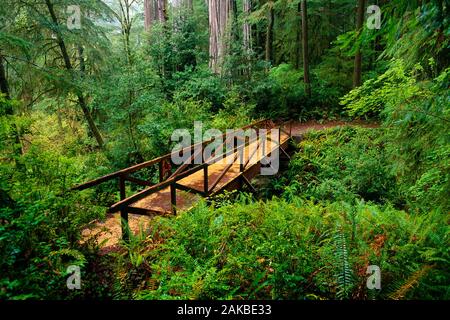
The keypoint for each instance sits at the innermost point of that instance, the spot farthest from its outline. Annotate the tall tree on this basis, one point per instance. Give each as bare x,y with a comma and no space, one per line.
220,13
162,10
155,11
269,32
56,28
305,48
4,88
149,14
357,74
247,31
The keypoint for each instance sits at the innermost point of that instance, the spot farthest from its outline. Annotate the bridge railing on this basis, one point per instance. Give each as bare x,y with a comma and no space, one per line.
184,171
164,163
171,179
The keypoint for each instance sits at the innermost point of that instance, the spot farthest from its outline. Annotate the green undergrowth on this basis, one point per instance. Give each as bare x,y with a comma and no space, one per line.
292,250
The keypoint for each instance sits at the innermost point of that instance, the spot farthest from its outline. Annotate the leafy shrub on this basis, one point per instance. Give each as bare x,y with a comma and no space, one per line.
341,164
416,117
281,250
374,95
40,226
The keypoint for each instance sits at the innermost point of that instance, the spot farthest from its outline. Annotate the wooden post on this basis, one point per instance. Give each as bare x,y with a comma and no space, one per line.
123,212
173,198
160,167
290,129
241,157
241,153
205,179
279,137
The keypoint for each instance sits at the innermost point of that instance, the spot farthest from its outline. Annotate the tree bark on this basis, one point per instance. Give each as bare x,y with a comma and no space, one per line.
298,49
220,14
162,10
305,48
3,81
81,101
269,33
357,75
247,31
148,14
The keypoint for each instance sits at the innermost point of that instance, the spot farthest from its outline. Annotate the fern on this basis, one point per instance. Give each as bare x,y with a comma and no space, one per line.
344,275
410,283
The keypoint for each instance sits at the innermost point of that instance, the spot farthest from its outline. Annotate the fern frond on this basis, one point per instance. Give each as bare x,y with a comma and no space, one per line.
410,283
344,274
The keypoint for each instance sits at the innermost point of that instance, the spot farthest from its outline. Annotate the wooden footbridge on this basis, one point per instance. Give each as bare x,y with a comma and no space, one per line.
181,185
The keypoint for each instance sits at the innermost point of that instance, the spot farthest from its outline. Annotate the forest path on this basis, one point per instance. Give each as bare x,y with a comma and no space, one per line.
108,232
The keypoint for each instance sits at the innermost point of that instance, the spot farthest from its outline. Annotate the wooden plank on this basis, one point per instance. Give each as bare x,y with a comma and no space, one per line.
146,164
95,182
222,174
188,189
142,194
253,153
143,211
140,182
152,189
187,162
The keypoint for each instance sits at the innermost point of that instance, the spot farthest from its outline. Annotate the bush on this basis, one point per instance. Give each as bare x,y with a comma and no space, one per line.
295,250
341,164
416,117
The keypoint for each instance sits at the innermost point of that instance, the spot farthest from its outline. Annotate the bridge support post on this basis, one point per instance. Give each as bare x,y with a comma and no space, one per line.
173,198
241,157
205,180
123,212
160,169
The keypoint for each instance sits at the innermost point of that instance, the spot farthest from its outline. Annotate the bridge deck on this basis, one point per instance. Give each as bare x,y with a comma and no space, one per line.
161,201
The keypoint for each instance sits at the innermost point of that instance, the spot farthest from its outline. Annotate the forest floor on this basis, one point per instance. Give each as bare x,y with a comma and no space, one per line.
108,232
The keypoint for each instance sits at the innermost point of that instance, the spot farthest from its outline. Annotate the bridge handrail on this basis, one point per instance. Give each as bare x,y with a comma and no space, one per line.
172,181
124,172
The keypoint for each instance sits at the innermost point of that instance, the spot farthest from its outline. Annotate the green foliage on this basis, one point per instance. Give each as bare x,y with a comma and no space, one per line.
281,250
341,164
344,272
352,197
419,144
416,116
201,85
388,89
409,24
41,227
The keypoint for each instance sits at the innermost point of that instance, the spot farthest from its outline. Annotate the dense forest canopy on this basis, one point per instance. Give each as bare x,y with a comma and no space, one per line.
89,87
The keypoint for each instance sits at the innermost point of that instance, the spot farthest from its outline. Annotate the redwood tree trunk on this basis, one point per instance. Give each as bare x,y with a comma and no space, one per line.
148,14
269,33
220,14
162,10
305,48
357,75
247,32
155,11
